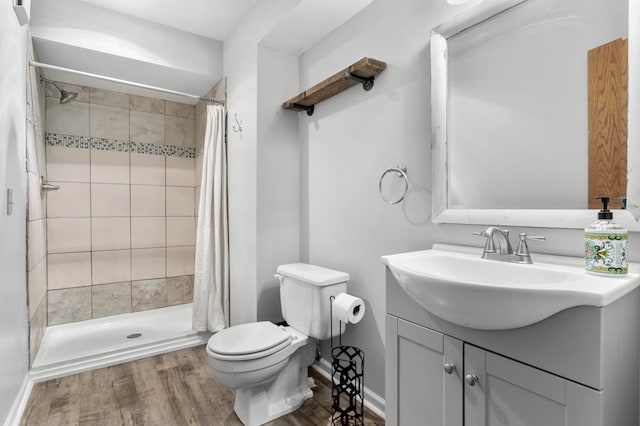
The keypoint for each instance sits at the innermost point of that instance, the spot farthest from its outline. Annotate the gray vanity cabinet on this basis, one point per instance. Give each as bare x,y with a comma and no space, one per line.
437,380
419,392
511,393
578,367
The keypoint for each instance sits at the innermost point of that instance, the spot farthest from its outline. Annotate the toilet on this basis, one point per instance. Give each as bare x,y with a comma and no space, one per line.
266,363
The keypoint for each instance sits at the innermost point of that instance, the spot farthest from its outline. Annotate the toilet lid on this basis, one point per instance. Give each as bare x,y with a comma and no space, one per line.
251,338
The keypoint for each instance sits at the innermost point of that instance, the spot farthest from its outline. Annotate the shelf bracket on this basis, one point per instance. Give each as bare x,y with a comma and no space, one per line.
308,108
367,83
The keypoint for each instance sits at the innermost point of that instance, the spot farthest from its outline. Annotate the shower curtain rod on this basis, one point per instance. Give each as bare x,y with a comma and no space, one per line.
130,83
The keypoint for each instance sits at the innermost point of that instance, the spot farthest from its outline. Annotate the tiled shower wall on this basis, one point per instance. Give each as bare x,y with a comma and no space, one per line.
121,228
36,219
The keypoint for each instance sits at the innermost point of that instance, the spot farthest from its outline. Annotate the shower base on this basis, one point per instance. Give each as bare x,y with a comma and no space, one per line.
76,347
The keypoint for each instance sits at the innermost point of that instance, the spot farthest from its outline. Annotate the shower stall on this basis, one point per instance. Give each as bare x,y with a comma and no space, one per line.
114,186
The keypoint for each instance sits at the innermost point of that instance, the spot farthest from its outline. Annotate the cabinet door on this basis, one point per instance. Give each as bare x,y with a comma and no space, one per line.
418,390
514,394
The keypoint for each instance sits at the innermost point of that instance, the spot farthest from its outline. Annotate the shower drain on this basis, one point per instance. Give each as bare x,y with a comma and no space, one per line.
134,336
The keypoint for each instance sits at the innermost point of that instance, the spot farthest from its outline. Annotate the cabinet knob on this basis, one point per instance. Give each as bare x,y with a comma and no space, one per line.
471,379
449,368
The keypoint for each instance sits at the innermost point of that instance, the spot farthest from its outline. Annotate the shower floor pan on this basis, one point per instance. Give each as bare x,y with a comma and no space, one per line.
76,347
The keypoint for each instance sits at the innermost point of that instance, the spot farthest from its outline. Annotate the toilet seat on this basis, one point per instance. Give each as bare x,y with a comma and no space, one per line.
258,360
248,341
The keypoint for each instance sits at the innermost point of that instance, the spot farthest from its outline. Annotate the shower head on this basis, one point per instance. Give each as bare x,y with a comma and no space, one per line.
65,96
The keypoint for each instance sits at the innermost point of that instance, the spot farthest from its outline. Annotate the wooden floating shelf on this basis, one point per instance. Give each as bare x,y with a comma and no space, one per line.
362,72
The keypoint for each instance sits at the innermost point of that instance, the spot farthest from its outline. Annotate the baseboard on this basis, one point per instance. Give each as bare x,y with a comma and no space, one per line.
20,403
372,400
75,366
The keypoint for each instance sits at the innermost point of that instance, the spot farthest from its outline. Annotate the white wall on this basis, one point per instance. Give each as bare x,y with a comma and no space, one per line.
278,176
240,59
13,299
353,137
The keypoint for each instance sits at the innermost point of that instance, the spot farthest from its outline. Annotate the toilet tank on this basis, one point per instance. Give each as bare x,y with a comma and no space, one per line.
305,292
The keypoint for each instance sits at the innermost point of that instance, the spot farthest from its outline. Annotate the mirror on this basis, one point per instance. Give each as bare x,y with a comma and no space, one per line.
510,107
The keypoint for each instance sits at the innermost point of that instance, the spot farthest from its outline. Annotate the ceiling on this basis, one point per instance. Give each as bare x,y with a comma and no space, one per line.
209,18
176,45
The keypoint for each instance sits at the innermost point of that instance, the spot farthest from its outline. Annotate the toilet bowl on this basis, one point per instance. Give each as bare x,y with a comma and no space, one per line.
266,365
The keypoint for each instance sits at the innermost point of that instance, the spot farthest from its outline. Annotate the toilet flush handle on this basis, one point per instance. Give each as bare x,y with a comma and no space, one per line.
279,278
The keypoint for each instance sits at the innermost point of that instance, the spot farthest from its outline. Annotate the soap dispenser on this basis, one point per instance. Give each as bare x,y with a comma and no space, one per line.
605,244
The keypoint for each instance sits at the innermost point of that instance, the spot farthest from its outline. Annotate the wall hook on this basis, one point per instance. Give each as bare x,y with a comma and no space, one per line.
238,126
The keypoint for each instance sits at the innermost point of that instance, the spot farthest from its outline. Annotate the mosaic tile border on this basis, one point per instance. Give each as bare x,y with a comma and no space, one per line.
88,142
67,141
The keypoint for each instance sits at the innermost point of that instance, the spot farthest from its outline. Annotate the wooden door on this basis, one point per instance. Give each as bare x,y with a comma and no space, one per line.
608,97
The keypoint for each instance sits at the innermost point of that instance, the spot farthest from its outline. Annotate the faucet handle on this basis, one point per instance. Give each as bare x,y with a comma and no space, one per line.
523,248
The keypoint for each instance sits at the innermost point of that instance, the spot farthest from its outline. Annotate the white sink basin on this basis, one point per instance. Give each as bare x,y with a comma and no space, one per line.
455,284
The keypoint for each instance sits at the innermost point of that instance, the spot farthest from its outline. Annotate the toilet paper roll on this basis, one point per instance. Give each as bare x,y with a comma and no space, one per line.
348,308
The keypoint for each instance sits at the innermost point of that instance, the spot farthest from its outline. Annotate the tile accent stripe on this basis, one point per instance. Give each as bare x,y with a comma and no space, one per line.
109,145
67,141
88,142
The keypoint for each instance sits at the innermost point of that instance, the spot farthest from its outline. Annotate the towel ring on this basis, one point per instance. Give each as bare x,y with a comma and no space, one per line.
400,171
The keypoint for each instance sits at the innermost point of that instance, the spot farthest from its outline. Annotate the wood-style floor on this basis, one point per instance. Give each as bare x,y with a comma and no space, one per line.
171,389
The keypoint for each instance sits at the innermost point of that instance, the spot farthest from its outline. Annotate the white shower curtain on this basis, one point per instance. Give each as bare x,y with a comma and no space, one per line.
211,282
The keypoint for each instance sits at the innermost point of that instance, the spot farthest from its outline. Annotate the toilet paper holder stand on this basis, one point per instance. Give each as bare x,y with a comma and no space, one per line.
347,380
331,299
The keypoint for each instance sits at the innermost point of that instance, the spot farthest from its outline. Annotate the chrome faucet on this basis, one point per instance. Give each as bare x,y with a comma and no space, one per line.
501,236
505,253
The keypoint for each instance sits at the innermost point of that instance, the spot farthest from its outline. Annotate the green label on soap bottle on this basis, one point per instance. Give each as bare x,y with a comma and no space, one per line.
606,253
